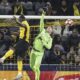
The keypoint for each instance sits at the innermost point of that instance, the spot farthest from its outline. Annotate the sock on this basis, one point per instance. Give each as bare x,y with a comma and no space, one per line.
8,54
37,73
20,66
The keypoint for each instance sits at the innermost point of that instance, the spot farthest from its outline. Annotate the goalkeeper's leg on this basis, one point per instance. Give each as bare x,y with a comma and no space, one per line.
36,67
35,62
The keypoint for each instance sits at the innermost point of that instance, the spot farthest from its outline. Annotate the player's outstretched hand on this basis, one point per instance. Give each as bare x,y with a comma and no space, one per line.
43,12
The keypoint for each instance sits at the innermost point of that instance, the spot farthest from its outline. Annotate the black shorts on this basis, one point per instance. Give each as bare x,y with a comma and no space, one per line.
21,48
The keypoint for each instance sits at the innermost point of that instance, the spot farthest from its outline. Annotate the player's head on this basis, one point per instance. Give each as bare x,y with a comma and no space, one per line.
22,18
49,29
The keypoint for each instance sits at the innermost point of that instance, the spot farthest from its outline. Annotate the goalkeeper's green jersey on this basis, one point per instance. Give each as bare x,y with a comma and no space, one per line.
43,40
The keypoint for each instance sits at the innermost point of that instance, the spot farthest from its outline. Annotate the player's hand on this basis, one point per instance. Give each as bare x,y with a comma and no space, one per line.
43,12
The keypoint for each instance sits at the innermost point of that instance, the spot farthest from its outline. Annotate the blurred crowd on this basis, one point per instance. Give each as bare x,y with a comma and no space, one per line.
65,48
8,37
66,39
29,7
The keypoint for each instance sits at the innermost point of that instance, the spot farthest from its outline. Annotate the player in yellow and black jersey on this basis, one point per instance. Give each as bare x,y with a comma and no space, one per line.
21,46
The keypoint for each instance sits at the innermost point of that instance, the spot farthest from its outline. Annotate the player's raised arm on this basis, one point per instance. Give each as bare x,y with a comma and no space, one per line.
42,21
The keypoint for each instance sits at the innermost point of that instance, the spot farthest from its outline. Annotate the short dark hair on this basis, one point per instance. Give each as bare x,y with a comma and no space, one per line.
22,17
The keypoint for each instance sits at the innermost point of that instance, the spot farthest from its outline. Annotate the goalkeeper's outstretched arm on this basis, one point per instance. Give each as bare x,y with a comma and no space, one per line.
42,21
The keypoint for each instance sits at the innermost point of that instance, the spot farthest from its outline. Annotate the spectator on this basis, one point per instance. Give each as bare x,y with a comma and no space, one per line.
37,7
4,43
57,28
57,40
6,40
59,54
5,8
76,7
54,12
66,33
55,56
77,59
1,35
29,8
17,8
43,4
74,39
71,56
1,43
48,9
66,27
77,56
64,9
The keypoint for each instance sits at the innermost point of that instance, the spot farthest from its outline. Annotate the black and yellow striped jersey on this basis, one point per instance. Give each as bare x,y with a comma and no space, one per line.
25,31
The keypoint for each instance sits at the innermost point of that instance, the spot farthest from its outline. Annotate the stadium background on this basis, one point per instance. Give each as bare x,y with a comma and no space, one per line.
49,70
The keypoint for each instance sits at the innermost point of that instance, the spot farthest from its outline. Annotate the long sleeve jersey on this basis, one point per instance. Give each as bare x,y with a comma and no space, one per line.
43,40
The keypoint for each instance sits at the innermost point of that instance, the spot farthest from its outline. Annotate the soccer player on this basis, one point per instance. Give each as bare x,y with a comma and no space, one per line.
42,41
21,46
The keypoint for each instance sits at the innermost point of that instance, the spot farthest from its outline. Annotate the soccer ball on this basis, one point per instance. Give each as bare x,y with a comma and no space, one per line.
69,22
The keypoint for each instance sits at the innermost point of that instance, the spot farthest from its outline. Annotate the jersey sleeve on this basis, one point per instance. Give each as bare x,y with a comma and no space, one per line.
47,43
46,40
27,24
42,22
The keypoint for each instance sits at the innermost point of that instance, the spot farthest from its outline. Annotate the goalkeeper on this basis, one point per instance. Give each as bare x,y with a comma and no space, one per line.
42,41
21,46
